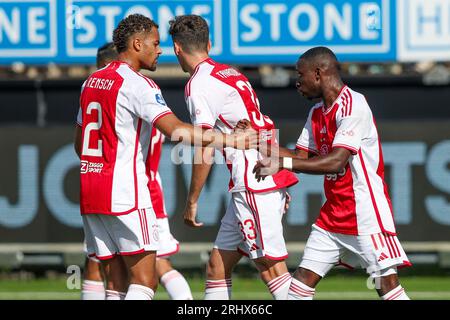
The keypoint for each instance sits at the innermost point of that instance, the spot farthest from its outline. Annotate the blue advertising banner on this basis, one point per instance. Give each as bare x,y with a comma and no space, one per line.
242,31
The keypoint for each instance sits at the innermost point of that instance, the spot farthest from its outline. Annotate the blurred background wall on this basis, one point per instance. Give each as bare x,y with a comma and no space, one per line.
396,53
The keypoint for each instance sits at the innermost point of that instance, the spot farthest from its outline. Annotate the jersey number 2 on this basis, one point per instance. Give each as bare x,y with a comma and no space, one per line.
95,152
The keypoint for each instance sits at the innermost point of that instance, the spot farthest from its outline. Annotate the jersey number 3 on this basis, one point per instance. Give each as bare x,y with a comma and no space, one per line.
95,152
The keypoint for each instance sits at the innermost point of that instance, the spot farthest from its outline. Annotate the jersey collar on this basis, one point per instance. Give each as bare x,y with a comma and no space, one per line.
335,102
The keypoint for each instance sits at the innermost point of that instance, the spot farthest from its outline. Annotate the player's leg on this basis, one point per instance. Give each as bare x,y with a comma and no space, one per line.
320,255
116,278
93,287
275,275
381,254
142,274
261,217
218,273
137,239
102,246
173,281
223,257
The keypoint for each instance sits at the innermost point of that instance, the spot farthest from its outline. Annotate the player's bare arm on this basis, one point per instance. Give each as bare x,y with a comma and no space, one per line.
333,162
245,124
200,170
180,131
77,141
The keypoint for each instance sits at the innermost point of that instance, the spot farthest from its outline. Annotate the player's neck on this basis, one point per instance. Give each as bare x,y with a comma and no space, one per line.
194,60
135,65
332,93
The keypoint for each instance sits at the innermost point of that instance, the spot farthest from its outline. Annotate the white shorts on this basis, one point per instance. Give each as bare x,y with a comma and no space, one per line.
375,253
168,245
252,225
85,250
133,233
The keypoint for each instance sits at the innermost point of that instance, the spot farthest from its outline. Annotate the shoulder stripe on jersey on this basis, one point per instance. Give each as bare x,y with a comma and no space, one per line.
150,82
347,103
351,102
343,105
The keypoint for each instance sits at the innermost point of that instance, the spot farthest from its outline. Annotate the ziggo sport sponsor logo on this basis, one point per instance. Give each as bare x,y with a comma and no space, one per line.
94,167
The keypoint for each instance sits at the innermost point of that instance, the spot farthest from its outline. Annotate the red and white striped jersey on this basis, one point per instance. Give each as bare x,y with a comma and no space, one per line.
154,183
118,108
219,96
357,200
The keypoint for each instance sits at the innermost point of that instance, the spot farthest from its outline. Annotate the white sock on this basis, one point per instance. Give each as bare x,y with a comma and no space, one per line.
300,291
115,295
176,286
396,294
92,290
218,289
279,287
138,292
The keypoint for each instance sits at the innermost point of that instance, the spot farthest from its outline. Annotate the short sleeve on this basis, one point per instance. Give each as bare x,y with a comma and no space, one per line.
350,129
152,106
80,111
80,117
306,140
201,110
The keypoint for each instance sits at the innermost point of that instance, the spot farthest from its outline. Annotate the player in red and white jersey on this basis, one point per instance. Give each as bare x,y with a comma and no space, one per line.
341,140
218,96
118,108
174,282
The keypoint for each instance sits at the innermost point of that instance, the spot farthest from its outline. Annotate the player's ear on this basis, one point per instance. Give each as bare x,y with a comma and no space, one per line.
208,47
317,74
137,43
176,48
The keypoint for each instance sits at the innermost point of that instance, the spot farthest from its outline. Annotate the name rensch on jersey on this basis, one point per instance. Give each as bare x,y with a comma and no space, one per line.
99,83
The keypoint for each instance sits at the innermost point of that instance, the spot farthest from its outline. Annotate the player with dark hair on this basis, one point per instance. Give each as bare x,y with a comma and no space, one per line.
106,54
218,96
340,140
173,281
93,287
118,109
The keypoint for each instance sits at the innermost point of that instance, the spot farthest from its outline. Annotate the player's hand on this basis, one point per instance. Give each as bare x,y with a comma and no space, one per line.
266,167
286,203
190,213
242,124
246,139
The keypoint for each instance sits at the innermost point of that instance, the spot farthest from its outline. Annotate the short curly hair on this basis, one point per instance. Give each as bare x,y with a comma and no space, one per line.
134,23
191,32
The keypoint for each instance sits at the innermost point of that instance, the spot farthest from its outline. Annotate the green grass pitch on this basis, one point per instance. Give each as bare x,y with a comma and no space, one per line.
340,287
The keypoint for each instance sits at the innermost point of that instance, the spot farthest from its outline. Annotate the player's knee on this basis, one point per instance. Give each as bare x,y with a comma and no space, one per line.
307,277
163,266
275,268
388,282
145,280
215,270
